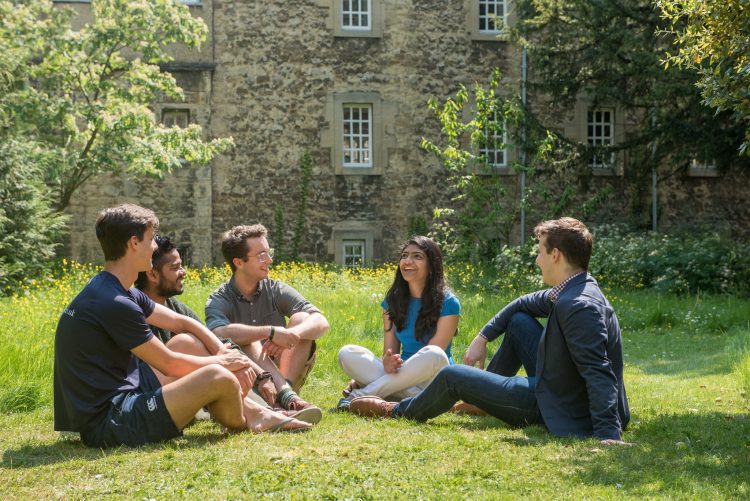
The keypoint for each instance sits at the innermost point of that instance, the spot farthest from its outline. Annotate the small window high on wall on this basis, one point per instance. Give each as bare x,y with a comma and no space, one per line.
356,15
357,18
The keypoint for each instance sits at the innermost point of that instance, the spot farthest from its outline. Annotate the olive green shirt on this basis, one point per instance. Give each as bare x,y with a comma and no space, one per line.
271,304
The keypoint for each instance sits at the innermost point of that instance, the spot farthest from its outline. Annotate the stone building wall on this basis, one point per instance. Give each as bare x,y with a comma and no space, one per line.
274,76
279,68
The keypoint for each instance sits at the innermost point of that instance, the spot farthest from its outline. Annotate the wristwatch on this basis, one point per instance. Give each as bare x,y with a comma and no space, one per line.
262,377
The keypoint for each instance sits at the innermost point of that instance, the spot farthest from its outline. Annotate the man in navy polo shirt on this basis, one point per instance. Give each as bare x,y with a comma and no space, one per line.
101,390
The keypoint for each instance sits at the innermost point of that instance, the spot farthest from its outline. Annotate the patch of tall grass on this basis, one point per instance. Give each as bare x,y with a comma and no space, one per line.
351,302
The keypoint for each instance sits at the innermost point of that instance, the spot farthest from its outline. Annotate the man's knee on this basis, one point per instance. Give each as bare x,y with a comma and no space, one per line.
187,343
456,373
521,323
220,378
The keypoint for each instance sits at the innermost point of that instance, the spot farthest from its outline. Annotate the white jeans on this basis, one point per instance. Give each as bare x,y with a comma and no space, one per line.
366,369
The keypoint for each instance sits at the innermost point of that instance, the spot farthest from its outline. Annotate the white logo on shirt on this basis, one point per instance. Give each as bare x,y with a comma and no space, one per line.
151,404
69,312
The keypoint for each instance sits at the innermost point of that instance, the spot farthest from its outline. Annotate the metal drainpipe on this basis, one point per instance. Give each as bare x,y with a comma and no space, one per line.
523,149
653,175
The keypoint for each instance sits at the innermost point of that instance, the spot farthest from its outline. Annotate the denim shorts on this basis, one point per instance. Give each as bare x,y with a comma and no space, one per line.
135,417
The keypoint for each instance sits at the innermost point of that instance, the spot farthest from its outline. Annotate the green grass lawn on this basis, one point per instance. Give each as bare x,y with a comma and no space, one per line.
684,378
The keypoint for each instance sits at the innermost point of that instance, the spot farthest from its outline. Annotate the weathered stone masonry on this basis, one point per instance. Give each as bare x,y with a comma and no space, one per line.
274,74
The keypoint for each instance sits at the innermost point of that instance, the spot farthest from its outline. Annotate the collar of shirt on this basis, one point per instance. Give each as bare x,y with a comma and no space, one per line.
237,292
555,293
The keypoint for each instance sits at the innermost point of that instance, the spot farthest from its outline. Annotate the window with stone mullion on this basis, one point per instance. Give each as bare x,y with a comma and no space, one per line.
489,12
601,133
355,14
357,135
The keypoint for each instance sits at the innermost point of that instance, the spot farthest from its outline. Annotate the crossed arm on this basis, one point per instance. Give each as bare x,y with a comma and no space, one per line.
176,364
302,326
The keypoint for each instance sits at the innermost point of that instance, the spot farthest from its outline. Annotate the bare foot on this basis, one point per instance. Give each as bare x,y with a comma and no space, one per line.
261,420
464,408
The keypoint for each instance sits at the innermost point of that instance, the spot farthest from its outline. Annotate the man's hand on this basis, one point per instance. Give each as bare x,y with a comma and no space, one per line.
267,390
611,441
283,339
476,352
233,360
392,362
246,378
271,349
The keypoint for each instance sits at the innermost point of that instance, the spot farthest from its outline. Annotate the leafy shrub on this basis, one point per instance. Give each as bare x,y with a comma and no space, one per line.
677,263
516,268
29,228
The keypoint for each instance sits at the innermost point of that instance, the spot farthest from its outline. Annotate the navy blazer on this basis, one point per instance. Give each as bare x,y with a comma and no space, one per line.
579,386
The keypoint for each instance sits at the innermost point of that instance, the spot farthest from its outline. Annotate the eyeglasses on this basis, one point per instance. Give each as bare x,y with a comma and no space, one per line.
264,256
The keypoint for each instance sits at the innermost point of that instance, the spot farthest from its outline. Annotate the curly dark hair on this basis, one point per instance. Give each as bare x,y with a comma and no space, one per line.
164,247
432,297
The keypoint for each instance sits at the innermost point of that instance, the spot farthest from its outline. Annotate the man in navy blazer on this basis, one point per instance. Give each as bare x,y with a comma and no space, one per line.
574,365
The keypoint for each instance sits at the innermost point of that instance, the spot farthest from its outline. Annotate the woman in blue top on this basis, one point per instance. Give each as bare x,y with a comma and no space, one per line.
420,318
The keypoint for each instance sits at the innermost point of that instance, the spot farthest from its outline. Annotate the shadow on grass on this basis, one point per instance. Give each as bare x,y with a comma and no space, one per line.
62,450
684,454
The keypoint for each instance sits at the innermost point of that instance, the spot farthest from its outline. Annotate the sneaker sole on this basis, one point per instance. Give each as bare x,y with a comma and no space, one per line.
311,415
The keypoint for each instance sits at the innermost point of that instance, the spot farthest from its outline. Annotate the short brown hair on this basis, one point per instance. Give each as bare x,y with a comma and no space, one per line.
234,242
569,236
115,226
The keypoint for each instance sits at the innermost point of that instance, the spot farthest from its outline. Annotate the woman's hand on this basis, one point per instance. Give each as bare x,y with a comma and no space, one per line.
392,362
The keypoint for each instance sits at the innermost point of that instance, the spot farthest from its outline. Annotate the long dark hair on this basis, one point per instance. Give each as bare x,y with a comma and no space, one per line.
432,297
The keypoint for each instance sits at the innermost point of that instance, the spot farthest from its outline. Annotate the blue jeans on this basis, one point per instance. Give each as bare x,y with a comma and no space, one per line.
498,392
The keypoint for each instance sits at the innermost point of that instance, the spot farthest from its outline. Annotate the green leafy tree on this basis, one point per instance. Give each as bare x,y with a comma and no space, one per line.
610,52
83,96
712,38
485,204
29,227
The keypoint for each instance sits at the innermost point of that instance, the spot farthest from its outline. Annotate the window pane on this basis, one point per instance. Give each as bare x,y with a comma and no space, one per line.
356,131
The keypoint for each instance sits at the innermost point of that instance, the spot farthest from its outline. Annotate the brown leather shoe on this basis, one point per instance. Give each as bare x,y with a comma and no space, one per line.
369,406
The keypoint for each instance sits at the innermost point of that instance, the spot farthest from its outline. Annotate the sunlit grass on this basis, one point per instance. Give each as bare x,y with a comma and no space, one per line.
686,375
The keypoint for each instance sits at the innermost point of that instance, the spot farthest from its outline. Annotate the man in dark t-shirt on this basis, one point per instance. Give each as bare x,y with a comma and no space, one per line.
102,392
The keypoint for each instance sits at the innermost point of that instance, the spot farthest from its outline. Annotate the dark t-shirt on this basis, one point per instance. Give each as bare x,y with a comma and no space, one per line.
93,362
